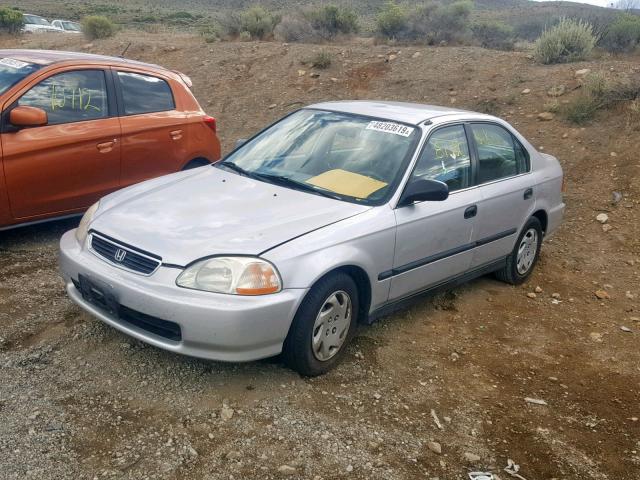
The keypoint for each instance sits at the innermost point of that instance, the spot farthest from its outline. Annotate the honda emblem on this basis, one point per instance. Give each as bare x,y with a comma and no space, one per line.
120,255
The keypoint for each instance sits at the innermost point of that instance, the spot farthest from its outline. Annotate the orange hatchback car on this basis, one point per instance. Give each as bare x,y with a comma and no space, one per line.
76,126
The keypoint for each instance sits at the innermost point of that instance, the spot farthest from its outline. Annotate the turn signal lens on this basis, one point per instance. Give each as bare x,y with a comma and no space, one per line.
232,275
83,228
211,122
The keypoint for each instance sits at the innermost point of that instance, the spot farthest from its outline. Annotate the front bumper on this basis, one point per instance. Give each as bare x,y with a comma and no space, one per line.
213,326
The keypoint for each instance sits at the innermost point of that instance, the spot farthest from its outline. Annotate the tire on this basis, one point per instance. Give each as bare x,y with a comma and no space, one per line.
313,355
198,162
513,272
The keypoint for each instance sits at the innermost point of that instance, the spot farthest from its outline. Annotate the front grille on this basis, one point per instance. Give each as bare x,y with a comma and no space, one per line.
124,256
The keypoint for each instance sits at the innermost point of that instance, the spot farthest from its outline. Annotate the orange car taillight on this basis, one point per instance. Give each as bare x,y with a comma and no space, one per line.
211,123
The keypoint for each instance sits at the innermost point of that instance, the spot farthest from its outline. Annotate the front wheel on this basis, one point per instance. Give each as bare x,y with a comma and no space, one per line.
523,258
323,326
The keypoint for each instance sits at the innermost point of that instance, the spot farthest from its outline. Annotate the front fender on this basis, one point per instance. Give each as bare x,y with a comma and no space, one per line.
366,241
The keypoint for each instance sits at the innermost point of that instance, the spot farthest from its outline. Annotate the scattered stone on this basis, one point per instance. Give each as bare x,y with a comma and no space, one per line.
435,447
334,79
602,218
287,470
606,228
532,295
613,154
392,57
616,197
625,329
416,55
555,295
314,75
538,289
302,73
226,413
545,116
272,106
565,135
602,294
526,91
582,72
377,396
596,337
471,457
349,468
535,401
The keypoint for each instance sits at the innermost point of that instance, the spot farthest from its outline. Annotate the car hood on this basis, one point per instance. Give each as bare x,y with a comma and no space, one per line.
209,211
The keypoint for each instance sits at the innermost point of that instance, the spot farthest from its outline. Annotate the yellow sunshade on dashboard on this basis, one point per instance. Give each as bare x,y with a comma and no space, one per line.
347,183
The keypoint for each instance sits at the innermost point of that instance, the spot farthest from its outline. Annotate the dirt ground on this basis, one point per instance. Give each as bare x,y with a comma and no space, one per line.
78,400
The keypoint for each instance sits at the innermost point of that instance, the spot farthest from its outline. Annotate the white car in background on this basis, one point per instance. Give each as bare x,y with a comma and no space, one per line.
38,24
67,26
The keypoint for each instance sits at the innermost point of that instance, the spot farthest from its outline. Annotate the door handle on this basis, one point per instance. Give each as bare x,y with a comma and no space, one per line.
176,134
528,193
471,212
106,146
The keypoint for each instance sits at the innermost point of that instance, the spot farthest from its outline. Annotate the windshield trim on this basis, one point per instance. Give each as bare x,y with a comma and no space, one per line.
393,187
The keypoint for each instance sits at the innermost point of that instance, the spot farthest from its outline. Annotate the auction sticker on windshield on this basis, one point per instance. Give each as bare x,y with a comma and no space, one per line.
390,127
12,62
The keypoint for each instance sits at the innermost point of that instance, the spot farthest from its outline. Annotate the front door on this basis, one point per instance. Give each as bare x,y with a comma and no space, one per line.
434,239
72,161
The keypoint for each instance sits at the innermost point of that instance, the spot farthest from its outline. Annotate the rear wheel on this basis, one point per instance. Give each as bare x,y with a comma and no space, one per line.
323,326
525,254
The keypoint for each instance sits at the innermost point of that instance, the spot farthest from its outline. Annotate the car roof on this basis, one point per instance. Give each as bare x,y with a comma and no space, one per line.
49,57
413,113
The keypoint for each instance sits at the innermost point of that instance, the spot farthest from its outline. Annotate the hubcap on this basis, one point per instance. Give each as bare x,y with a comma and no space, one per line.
527,251
331,326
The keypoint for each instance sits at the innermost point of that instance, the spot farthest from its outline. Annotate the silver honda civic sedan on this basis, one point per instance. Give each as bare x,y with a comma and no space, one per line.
333,216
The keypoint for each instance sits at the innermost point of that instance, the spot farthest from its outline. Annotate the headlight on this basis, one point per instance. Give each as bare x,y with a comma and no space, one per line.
232,275
83,228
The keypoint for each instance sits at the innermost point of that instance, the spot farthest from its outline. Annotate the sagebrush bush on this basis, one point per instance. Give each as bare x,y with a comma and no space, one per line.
568,41
494,34
210,33
332,20
392,21
600,92
623,35
96,27
436,22
320,60
11,20
258,22
431,23
295,28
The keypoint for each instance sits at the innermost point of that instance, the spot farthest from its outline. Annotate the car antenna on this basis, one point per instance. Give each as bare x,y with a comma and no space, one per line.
125,50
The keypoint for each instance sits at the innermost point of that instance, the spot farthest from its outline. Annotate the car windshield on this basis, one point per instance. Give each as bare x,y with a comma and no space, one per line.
35,20
71,26
345,156
12,71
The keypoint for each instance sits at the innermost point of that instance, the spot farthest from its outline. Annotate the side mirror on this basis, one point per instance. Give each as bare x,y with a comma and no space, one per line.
423,190
240,142
28,117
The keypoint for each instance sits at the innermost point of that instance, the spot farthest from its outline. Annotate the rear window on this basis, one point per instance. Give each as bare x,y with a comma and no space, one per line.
12,71
145,94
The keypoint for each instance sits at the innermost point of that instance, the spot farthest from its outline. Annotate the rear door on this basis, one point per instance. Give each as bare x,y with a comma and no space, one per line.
434,240
72,161
154,131
506,187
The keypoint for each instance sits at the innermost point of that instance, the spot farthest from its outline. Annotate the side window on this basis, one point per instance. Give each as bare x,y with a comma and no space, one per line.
499,154
445,157
70,97
145,94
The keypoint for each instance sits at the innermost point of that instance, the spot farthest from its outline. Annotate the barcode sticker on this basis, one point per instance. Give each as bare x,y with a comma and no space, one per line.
390,127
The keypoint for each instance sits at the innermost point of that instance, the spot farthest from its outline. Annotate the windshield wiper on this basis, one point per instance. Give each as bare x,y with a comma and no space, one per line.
288,182
236,168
